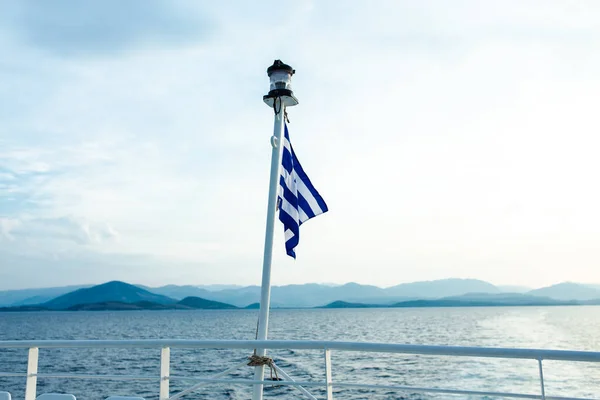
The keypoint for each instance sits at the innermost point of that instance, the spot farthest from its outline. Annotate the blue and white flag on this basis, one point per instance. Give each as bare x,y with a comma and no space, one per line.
298,200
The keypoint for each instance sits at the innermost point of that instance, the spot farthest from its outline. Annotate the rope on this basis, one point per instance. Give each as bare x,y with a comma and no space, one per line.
257,361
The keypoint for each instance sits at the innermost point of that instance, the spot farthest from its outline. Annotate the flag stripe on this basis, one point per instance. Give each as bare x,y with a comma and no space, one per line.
304,206
309,197
286,159
292,240
287,193
289,208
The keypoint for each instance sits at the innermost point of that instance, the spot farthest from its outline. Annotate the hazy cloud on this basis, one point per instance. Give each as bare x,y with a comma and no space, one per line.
71,229
71,27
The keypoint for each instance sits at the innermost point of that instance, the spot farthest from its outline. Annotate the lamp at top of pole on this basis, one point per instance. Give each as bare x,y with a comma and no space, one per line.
280,75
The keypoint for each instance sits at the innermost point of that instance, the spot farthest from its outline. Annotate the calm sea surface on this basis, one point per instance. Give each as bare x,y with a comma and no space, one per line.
574,328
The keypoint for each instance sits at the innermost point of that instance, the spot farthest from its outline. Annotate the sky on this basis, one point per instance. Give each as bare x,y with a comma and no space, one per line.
449,139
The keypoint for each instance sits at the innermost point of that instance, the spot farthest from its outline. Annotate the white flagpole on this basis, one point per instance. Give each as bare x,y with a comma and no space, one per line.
265,295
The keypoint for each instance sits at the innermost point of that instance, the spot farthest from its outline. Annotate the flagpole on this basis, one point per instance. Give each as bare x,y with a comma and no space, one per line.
279,97
265,295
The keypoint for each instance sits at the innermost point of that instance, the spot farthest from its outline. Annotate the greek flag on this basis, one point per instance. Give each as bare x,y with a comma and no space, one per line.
298,200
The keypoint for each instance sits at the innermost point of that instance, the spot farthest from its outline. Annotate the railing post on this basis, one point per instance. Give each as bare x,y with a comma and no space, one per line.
328,374
165,365
32,370
542,379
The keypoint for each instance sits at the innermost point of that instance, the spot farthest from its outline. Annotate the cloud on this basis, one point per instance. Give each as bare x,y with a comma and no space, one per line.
70,229
7,225
74,28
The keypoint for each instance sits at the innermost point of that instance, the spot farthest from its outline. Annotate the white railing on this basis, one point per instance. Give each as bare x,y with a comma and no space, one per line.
326,346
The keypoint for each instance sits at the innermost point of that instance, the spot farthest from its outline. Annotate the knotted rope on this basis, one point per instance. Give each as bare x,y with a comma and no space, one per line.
257,361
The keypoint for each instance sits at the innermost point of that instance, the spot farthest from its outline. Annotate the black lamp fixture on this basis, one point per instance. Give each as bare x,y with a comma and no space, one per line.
280,75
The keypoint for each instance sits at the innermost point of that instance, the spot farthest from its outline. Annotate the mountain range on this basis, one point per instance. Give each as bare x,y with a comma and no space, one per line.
114,291
117,295
312,294
315,295
306,295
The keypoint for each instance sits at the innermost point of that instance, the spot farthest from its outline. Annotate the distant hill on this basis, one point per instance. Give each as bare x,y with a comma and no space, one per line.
22,297
468,300
218,287
344,304
446,303
567,291
507,299
120,306
180,292
23,308
239,297
104,306
355,291
200,303
482,302
514,289
312,294
114,291
441,288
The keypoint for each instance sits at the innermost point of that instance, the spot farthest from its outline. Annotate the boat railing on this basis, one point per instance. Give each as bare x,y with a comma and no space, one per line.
327,347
